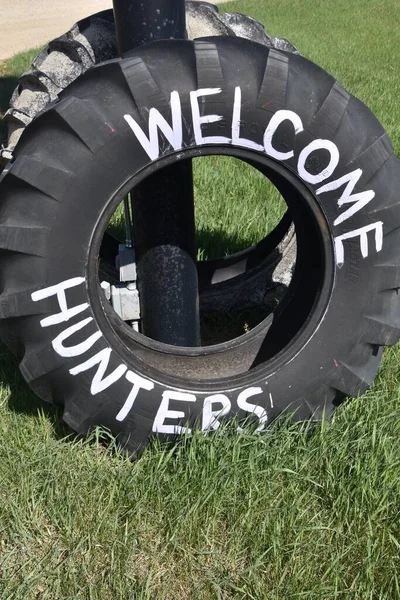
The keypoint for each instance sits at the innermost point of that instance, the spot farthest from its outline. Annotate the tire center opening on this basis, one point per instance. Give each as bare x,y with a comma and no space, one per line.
236,208
261,262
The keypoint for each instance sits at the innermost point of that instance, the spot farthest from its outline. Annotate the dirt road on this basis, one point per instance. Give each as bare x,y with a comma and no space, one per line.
28,23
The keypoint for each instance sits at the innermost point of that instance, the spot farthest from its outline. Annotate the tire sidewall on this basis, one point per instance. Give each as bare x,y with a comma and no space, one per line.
284,387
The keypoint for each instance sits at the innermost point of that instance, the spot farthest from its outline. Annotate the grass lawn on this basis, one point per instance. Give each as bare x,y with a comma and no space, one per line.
290,514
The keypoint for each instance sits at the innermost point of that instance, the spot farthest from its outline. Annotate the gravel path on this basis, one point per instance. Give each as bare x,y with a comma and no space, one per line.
29,23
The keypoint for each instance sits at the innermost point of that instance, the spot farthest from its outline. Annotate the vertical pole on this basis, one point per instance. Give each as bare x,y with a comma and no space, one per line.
141,21
163,205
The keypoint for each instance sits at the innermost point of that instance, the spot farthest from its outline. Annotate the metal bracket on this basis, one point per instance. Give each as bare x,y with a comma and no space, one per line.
125,262
124,296
125,301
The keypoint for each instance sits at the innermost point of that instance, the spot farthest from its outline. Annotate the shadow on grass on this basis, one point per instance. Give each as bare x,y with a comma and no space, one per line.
7,87
216,244
8,84
22,399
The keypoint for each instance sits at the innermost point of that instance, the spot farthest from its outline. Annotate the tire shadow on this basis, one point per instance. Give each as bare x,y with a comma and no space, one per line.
217,244
8,83
22,400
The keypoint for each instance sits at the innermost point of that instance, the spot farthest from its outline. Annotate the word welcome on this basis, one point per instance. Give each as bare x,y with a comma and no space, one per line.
214,406
173,132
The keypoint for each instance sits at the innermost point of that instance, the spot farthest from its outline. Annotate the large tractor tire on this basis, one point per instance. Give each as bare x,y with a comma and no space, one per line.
332,162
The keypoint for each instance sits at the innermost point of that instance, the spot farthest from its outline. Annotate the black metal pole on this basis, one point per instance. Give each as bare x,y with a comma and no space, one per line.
141,21
163,206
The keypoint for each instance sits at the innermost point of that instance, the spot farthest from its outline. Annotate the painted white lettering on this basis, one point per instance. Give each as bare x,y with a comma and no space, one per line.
279,117
362,234
325,173
271,400
236,139
198,121
174,135
164,413
259,411
358,200
79,349
59,291
211,415
99,382
138,383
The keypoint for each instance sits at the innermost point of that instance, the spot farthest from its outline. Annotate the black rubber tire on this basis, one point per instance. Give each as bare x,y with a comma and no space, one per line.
324,341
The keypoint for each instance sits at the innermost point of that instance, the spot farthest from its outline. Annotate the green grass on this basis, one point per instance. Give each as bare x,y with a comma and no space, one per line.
290,514
294,513
236,206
